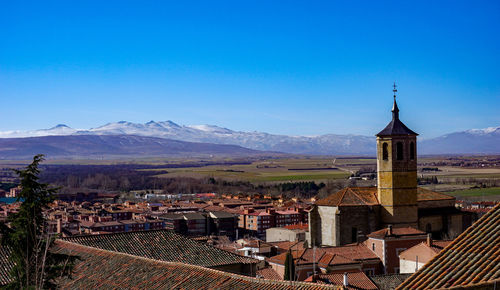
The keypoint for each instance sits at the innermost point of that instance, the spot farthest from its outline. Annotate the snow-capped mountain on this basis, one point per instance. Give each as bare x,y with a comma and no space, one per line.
58,130
114,146
475,141
324,144
471,141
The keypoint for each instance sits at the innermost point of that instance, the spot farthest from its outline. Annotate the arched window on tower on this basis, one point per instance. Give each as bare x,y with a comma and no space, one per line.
412,151
385,151
399,151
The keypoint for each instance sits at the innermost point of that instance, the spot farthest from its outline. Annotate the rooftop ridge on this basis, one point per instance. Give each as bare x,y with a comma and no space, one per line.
213,254
189,266
368,196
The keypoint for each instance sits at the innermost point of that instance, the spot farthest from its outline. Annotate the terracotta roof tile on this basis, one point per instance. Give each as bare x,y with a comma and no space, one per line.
390,281
329,256
268,273
396,232
471,259
426,194
163,245
102,269
353,196
356,280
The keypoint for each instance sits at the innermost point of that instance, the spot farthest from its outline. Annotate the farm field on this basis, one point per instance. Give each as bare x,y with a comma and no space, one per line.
454,179
477,192
273,170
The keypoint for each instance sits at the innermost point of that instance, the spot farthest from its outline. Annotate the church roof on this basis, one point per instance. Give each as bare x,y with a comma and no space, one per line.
396,127
351,196
354,196
471,260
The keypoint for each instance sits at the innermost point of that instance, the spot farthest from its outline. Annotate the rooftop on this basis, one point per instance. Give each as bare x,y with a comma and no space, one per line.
396,127
163,245
355,196
396,232
102,269
348,254
356,280
472,259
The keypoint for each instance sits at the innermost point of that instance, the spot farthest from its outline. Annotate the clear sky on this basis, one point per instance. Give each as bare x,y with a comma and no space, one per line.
287,67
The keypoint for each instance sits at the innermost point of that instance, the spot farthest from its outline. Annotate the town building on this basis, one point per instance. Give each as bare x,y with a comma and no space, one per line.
416,257
294,233
471,261
349,258
351,213
14,192
388,243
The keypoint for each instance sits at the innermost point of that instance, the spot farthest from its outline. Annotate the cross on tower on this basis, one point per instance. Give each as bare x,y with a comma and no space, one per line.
395,90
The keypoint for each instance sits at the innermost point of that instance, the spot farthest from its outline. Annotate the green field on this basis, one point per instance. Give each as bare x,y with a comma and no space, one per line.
271,170
477,192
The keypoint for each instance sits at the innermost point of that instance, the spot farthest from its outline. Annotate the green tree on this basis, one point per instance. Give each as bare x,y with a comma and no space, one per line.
27,237
289,267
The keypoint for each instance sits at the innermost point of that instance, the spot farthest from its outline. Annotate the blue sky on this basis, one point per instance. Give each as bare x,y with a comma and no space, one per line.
287,67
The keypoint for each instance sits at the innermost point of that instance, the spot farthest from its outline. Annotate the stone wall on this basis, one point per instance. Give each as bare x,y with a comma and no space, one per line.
364,219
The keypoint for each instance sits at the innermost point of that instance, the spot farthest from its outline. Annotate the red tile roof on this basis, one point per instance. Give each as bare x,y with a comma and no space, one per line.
396,232
268,273
297,227
163,245
286,245
356,280
424,194
470,260
353,196
101,269
329,256
423,251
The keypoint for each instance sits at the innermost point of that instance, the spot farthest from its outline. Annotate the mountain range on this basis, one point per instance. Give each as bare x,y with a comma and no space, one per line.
475,141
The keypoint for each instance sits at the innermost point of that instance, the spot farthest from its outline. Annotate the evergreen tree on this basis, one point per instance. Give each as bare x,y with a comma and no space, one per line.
289,267
26,236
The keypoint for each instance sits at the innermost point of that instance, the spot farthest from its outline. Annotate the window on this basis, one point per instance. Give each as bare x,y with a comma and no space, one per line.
385,151
373,246
399,150
412,151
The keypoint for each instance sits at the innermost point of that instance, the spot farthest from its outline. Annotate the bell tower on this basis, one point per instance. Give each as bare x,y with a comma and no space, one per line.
397,172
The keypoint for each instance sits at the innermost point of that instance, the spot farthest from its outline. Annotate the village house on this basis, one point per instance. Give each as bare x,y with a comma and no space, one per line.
471,261
417,256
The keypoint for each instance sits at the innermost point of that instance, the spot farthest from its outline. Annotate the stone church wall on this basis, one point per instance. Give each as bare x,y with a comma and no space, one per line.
362,219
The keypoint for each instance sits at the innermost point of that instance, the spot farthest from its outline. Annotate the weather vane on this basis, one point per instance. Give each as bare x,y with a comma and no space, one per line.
395,90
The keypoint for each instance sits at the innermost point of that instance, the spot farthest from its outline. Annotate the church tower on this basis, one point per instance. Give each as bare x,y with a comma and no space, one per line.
397,173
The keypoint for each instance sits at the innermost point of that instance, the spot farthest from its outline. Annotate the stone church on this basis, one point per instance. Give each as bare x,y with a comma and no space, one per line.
348,215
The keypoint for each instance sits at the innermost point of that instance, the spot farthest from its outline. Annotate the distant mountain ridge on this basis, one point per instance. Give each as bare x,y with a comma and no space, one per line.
113,146
474,141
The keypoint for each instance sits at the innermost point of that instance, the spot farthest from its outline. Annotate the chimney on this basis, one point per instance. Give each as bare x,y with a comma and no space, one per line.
389,230
59,226
429,240
346,280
